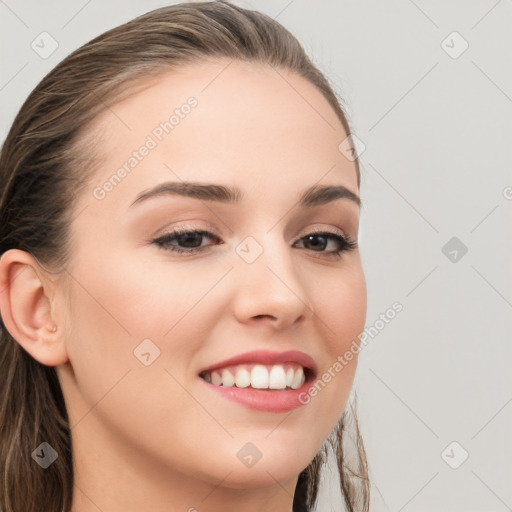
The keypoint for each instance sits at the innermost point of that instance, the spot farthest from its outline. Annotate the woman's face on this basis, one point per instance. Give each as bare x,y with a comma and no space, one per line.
144,322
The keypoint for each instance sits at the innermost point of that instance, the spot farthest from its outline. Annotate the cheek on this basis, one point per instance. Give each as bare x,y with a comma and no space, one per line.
148,407
135,300
117,310
341,307
341,311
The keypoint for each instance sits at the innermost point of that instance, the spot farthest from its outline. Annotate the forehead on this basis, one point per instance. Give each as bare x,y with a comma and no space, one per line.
226,121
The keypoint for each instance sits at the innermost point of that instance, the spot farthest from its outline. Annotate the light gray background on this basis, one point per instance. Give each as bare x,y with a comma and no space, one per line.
437,165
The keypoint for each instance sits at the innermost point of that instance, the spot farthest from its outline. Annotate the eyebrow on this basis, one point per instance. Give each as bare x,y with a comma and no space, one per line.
313,196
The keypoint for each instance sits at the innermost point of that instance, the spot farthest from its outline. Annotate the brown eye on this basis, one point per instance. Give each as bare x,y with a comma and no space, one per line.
181,240
318,242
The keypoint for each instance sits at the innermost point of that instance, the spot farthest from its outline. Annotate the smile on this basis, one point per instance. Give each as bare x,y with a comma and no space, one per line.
258,376
262,380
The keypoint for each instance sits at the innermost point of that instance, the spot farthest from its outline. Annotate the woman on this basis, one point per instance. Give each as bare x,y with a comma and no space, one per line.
180,274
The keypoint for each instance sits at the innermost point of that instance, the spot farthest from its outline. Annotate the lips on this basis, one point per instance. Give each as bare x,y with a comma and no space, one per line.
291,359
262,380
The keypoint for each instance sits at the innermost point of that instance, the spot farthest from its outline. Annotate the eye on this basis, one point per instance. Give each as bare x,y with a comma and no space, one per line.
320,239
187,240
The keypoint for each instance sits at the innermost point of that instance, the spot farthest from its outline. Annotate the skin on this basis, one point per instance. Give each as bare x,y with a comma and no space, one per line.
154,437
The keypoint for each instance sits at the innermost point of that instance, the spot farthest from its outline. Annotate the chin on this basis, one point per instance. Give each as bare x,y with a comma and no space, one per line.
263,475
247,465
273,462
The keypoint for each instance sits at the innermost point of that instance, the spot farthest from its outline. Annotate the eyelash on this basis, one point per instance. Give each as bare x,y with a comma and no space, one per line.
346,244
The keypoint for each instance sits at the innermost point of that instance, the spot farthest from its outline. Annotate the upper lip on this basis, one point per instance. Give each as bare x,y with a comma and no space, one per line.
267,357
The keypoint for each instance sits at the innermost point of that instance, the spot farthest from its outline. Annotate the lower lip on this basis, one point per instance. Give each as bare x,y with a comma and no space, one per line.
275,400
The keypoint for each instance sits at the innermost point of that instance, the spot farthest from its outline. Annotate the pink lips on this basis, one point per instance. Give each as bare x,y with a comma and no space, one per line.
267,357
265,399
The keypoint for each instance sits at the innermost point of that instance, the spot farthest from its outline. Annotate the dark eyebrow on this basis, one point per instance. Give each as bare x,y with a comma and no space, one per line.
313,196
318,195
204,191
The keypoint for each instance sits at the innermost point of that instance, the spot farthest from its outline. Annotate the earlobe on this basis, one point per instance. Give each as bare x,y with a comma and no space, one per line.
26,309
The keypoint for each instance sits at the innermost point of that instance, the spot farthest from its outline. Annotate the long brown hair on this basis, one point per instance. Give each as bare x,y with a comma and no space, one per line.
47,155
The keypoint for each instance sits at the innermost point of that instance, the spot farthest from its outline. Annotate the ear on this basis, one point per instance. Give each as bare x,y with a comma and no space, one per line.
25,306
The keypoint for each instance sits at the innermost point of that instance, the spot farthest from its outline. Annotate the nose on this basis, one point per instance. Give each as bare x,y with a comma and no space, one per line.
270,291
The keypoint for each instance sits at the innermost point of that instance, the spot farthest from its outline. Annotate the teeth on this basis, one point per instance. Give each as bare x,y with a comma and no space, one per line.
277,378
258,376
243,378
228,380
289,377
298,379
